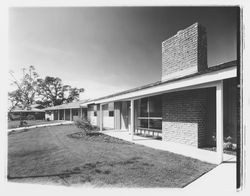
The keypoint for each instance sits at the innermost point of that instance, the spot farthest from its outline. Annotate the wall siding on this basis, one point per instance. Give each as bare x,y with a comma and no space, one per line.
185,117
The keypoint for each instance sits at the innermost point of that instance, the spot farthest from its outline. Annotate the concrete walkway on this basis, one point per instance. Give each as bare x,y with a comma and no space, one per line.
223,177
42,125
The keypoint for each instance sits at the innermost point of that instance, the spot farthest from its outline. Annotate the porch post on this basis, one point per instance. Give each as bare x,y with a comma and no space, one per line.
100,117
70,114
219,122
64,114
81,112
132,111
58,114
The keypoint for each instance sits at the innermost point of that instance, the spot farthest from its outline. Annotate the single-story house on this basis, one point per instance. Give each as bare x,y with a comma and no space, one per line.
68,111
33,112
192,104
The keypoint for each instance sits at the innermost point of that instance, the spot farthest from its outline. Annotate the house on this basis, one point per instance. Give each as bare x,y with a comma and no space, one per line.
192,104
68,111
33,112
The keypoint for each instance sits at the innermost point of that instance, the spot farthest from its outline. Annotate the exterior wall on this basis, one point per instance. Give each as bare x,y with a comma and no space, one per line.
108,122
49,115
185,53
90,113
186,117
92,118
76,113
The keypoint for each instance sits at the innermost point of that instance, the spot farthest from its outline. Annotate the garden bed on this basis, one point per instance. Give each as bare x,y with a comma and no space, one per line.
226,151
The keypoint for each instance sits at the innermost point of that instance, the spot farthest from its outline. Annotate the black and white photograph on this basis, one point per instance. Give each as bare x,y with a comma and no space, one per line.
125,97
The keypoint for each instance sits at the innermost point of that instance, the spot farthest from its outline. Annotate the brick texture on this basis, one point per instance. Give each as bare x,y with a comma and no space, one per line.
185,53
188,117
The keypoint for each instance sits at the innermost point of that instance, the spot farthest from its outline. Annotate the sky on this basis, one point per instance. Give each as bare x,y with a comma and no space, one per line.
110,49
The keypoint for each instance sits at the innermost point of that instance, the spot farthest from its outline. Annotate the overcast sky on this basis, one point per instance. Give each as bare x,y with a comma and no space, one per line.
107,50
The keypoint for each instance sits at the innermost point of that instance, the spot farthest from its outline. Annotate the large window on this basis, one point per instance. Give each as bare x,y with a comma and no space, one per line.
150,113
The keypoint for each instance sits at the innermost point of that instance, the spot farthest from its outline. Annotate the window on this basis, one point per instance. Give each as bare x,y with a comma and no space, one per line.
155,107
150,113
111,113
95,114
144,107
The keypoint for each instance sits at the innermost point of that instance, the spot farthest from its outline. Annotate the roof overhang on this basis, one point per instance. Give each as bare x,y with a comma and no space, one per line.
184,84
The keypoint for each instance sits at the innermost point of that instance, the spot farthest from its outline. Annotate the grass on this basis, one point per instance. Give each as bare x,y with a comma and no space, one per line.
16,123
58,155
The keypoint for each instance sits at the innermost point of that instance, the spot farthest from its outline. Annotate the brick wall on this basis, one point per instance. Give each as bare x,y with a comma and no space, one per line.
187,117
185,53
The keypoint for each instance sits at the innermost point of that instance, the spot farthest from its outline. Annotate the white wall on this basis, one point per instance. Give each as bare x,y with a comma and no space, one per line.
49,116
108,122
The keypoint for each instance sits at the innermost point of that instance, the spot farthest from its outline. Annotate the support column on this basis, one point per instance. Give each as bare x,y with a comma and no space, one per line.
219,122
81,112
70,114
64,114
58,114
100,117
132,118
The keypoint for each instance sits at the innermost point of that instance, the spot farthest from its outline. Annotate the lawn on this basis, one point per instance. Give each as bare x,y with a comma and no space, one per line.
57,155
16,123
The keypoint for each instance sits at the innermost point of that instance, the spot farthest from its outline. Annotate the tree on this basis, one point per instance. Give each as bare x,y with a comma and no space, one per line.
25,94
52,92
48,92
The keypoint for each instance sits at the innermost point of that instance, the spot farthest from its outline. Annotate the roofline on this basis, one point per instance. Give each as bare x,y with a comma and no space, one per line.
17,111
219,67
160,87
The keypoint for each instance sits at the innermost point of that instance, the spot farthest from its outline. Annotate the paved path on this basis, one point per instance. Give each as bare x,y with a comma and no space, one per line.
42,125
223,177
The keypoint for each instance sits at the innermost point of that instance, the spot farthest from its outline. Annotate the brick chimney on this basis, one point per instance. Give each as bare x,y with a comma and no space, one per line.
185,53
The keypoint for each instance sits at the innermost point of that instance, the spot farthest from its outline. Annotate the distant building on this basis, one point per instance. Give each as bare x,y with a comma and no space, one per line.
33,112
68,111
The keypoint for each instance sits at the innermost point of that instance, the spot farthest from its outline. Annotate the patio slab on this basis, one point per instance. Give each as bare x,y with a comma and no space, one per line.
200,154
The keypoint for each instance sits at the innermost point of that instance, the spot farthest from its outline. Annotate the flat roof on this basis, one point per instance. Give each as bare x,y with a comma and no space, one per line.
26,110
158,83
72,105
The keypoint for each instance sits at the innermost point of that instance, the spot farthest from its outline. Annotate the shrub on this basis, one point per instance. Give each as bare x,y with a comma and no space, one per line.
85,125
23,123
31,117
228,145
